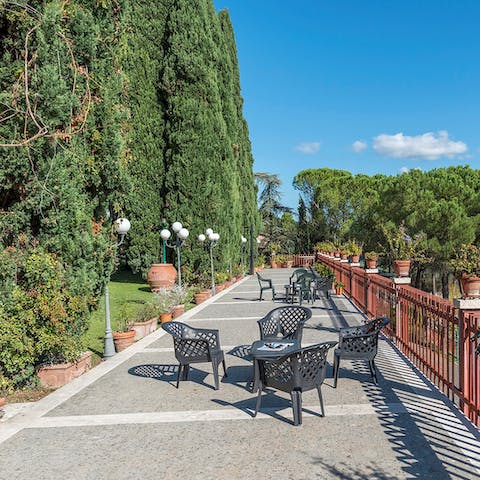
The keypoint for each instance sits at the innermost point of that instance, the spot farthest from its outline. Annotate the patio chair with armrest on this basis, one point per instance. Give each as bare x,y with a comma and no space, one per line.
303,288
195,345
321,284
265,284
295,373
296,274
284,322
359,343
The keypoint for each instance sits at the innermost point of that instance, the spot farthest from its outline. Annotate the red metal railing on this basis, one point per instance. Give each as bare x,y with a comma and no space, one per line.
427,328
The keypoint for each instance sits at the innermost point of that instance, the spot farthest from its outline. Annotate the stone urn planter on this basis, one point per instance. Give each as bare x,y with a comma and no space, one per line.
142,329
57,375
122,340
470,286
401,268
161,275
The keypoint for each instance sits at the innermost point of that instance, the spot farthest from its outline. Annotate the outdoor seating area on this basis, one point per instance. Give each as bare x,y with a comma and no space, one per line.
132,401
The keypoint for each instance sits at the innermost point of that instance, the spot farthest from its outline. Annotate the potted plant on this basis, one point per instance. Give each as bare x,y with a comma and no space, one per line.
401,247
5,389
146,320
202,290
259,263
323,271
124,334
354,249
274,248
466,264
180,296
371,259
164,303
162,275
338,287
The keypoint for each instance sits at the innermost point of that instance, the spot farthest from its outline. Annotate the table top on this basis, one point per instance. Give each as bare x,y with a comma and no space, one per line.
260,348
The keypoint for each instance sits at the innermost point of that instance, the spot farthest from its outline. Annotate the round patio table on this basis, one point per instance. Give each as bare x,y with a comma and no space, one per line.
267,350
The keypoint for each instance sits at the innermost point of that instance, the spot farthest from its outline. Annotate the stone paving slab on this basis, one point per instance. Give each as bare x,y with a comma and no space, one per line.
111,423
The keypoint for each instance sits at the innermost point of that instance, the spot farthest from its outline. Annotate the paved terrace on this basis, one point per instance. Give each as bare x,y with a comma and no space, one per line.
126,420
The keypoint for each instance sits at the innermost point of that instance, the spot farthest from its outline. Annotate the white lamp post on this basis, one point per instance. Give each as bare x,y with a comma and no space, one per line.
122,226
213,239
242,253
181,236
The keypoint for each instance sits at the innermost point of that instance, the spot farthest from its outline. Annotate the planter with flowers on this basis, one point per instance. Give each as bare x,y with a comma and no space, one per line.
466,264
164,303
180,296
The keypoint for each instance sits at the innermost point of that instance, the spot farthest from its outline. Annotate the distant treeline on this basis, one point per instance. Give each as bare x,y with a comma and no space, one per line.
443,203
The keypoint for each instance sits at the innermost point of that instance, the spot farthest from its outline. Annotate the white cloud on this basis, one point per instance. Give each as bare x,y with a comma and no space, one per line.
359,145
309,148
404,170
428,146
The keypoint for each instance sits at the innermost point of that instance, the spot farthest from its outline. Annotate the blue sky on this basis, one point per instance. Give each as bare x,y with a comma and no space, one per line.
400,78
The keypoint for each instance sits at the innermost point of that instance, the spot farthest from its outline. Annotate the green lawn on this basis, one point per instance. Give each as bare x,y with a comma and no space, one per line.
124,287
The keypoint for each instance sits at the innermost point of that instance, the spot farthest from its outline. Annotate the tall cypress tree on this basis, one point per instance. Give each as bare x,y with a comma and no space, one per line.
142,60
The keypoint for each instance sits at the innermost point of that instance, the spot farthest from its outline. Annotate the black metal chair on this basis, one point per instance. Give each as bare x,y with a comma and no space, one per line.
265,284
284,322
195,345
359,343
322,284
295,373
296,274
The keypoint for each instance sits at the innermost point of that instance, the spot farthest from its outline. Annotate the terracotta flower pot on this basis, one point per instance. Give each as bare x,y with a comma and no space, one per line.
165,317
202,296
354,258
273,264
57,375
177,310
3,400
122,340
372,263
343,256
142,329
220,287
161,275
339,290
471,286
401,268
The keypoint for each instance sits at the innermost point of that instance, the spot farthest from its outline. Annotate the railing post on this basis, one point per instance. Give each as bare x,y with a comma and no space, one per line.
400,328
467,309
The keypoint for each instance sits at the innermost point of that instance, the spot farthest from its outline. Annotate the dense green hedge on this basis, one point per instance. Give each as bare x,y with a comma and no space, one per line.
107,109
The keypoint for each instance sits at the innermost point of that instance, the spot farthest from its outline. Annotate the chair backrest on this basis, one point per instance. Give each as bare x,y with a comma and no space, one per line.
175,329
267,281
359,346
305,281
296,274
285,321
303,369
376,324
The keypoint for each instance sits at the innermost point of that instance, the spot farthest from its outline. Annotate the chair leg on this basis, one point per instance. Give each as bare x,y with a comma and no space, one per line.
224,368
296,396
320,397
186,369
259,399
373,371
336,368
180,366
261,294
215,375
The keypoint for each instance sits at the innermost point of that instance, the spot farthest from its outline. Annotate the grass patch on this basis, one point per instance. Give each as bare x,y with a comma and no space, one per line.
123,287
